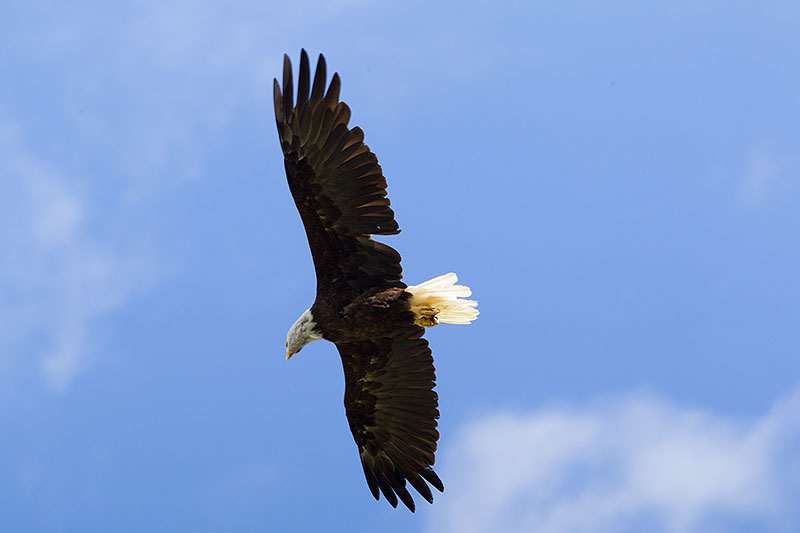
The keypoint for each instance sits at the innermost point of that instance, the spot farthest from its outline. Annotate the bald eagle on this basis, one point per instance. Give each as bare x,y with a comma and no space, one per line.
375,320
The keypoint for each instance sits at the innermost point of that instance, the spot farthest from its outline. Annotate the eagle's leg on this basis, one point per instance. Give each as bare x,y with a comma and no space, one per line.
427,316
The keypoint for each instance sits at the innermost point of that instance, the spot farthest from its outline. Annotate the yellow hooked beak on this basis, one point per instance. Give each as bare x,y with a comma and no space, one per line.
288,354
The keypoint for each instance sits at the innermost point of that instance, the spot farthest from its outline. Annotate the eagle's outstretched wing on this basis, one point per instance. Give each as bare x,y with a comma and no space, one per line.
392,410
336,182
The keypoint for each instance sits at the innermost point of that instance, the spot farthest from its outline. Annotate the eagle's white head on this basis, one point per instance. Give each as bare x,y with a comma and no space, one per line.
301,333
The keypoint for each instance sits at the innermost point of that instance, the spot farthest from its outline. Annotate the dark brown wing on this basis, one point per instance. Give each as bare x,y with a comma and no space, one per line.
336,183
392,410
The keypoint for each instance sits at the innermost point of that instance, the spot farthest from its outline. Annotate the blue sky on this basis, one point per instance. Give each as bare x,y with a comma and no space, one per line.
617,182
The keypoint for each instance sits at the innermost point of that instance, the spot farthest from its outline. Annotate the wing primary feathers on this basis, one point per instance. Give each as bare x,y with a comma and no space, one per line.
386,488
333,91
276,95
402,492
372,483
305,123
318,90
431,477
288,88
420,486
324,129
303,81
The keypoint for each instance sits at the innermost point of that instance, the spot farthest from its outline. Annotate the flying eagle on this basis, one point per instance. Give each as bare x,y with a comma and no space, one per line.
375,320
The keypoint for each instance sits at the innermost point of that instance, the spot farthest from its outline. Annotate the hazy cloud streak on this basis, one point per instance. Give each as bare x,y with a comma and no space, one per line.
615,467
55,277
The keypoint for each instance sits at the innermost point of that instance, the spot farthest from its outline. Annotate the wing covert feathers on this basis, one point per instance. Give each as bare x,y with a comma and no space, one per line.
336,181
392,411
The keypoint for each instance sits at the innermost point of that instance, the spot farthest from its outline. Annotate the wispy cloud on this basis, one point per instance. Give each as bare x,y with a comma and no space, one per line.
636,464
55,276
143,113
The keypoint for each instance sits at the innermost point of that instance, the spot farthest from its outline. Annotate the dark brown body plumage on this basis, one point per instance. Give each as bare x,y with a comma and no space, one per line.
361,305
368,315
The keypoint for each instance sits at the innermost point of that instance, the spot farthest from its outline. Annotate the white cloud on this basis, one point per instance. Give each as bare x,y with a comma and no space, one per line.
55,277
636,464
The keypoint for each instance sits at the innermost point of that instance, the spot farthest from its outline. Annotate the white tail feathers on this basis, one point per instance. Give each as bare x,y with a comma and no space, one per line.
440,300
